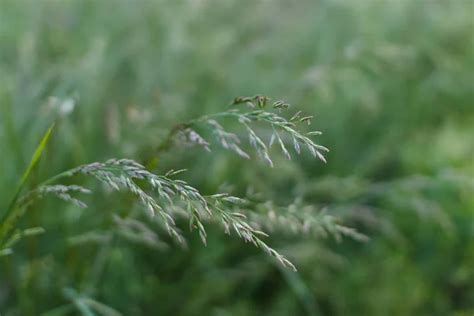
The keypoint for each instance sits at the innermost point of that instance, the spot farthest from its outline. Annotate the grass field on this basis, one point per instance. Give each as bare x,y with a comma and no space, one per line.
385,227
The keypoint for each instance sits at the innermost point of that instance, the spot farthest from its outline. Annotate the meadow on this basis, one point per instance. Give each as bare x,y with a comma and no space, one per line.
237,157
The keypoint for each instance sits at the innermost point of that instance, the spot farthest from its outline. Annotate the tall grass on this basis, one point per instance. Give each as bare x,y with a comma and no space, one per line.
389,83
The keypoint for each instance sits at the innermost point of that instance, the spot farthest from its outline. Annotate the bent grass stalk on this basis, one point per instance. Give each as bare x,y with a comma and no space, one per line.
165,197
246,111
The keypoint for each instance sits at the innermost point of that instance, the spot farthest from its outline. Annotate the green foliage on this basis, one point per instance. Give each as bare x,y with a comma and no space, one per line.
383,228
15,210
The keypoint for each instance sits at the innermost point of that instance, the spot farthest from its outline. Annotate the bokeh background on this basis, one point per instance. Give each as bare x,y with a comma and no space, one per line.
390,84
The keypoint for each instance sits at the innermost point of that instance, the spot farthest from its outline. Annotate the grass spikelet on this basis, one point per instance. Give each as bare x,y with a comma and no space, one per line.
164,197
257,111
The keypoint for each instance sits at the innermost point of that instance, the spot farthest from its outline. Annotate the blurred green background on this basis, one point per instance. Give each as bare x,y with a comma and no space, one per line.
390,84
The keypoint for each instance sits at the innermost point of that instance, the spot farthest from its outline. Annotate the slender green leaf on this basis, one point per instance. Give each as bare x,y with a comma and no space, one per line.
13,212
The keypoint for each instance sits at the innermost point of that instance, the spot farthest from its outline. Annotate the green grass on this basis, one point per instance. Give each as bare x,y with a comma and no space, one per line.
390,85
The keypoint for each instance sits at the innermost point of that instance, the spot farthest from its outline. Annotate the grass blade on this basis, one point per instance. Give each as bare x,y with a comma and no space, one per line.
13,213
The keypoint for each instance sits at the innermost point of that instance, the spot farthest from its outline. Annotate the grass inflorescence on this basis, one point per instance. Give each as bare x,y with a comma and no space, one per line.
166,197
